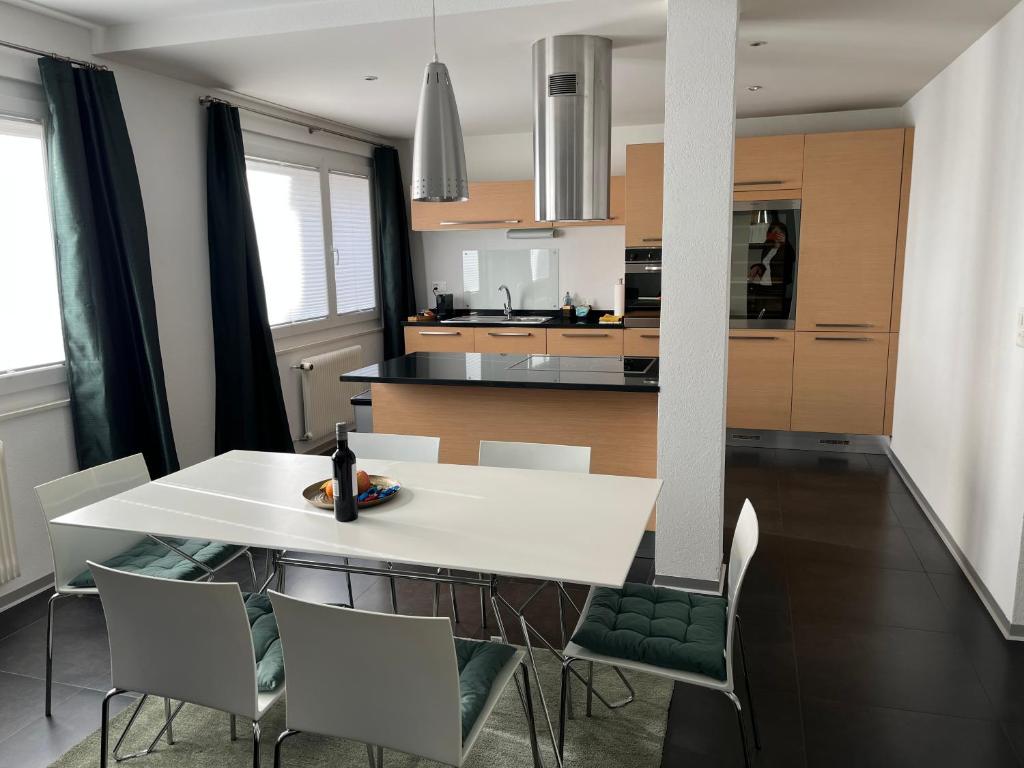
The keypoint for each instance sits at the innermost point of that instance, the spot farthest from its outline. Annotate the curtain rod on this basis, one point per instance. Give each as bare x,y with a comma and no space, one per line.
37,52
207,100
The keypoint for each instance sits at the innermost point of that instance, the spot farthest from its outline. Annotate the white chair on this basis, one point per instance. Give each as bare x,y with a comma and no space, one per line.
744,544
385,680
187,641
557,458
73,547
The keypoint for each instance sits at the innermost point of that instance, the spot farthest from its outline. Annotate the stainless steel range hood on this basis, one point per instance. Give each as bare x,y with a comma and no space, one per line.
572,106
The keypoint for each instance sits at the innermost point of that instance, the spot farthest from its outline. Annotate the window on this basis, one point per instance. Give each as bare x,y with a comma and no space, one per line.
30,322
314,227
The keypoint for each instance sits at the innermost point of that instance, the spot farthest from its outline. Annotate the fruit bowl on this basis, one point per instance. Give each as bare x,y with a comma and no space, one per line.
382,488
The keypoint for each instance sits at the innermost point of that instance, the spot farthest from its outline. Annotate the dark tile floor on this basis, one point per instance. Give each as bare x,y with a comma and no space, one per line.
867,647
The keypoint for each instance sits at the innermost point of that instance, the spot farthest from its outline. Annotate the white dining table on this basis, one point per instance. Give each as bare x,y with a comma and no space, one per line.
554,527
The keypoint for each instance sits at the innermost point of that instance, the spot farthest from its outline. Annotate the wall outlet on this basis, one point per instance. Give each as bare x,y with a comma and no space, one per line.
1020,326
439,286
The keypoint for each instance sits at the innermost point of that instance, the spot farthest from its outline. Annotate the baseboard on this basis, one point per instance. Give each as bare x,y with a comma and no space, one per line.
1010,630
702,586
25,591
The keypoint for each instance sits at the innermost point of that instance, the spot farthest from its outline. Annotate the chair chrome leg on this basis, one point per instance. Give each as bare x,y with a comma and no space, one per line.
256,733
483,604
156,739
380,756
252,571
49,650
455,602
348,583
394,596
369,756
563,707
739,722
437,598
561,633
531,723
285,734
746,683
590,689
105,725
167,719
234,728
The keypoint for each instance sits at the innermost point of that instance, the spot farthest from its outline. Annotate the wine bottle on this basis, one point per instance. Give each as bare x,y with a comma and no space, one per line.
345,486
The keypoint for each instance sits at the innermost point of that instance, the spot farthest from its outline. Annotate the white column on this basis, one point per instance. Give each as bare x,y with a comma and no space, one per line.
700,116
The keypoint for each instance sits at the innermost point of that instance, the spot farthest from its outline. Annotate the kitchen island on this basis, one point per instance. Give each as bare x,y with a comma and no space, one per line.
607,403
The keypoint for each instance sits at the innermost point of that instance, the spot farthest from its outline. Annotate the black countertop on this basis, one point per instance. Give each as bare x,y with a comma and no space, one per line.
615,374
557,320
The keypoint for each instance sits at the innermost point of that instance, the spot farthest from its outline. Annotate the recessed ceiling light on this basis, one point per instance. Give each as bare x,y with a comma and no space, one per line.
370,77
754,88
757,43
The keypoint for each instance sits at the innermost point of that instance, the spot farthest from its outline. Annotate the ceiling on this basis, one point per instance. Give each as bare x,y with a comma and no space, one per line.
313,55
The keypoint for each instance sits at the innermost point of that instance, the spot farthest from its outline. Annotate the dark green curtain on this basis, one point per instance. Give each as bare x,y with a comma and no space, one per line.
250,407
397,295
114,368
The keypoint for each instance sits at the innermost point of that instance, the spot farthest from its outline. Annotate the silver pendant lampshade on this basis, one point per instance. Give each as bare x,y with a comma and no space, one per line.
438,156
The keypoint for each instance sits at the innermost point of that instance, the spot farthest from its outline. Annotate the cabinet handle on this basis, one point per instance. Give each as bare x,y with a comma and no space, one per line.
440,333
584,335
648,298
844,325
480,221
509,333
841,338
753,338
650,239
757,183
650,335
651,268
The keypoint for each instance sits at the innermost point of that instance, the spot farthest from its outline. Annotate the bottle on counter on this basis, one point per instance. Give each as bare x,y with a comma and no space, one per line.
344,482
567,305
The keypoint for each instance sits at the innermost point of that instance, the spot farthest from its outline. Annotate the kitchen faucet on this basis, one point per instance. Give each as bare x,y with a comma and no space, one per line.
508,301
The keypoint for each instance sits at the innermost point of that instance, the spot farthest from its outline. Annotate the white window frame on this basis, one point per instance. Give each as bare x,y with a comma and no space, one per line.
275,150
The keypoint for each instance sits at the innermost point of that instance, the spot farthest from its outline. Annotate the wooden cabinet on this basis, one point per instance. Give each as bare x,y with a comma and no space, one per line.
901,231
760,385
491,205
769,163
890,383
438,339
585,342
640,342
645,172
851,203
839,382
527,341
616,207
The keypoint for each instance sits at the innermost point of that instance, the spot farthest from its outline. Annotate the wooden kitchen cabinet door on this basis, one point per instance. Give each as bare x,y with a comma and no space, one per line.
491,205
433,338
645,174
839,382
526,341
769,163
760,389
641,342
585,342
849,222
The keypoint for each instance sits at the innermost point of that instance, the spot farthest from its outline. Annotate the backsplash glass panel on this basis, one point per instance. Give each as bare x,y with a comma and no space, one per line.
531,275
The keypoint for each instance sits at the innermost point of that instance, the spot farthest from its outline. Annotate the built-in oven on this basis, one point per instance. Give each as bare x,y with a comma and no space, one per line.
643,286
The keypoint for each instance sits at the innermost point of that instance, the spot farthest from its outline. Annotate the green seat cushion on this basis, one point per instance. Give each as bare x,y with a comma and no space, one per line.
654,625
151,558
266,641
479,664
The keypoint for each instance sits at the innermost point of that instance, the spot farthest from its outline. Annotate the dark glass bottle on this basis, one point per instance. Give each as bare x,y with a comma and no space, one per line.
345,486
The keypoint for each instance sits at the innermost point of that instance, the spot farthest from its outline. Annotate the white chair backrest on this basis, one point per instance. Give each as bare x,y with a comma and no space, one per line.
72,547
744,544
558,458
377,678
184,640
373,445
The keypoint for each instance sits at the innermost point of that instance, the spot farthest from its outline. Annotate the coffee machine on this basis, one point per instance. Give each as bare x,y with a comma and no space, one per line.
444,305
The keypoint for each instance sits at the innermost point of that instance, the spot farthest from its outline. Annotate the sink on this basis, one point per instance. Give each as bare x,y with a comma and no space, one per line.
500,319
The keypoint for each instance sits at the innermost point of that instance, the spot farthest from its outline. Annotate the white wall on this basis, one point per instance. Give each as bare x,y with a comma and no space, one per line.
959,412
167,128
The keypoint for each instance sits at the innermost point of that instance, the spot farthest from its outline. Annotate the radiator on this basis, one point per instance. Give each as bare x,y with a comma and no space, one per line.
325,399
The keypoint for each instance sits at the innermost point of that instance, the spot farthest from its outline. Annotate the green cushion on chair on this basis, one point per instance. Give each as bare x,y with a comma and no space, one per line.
151,558
266,641
653,625
479,663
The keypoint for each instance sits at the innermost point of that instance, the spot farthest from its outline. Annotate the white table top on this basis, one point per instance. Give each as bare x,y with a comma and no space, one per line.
511,522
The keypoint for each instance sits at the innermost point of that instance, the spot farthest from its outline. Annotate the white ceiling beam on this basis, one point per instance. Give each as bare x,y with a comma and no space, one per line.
282,19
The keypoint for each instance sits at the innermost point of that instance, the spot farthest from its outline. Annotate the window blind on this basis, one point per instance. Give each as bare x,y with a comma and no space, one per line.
29,303
288,213
351,223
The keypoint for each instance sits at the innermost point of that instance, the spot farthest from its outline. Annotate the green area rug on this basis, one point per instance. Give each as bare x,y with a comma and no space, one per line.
631,736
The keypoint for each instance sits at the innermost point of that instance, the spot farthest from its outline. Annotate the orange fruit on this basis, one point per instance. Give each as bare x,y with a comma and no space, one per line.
328,489
363,481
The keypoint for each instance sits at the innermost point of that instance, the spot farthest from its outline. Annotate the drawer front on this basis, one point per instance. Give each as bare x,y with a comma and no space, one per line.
640,342
760,393
529,341
586,342
839,382
435,339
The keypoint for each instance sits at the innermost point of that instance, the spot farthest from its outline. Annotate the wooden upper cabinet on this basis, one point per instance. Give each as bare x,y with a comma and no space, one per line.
645,173
491,205
901,232
851,204
769,162
616,207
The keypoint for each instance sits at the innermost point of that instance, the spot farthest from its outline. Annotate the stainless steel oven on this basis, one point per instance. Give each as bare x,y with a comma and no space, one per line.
643,281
